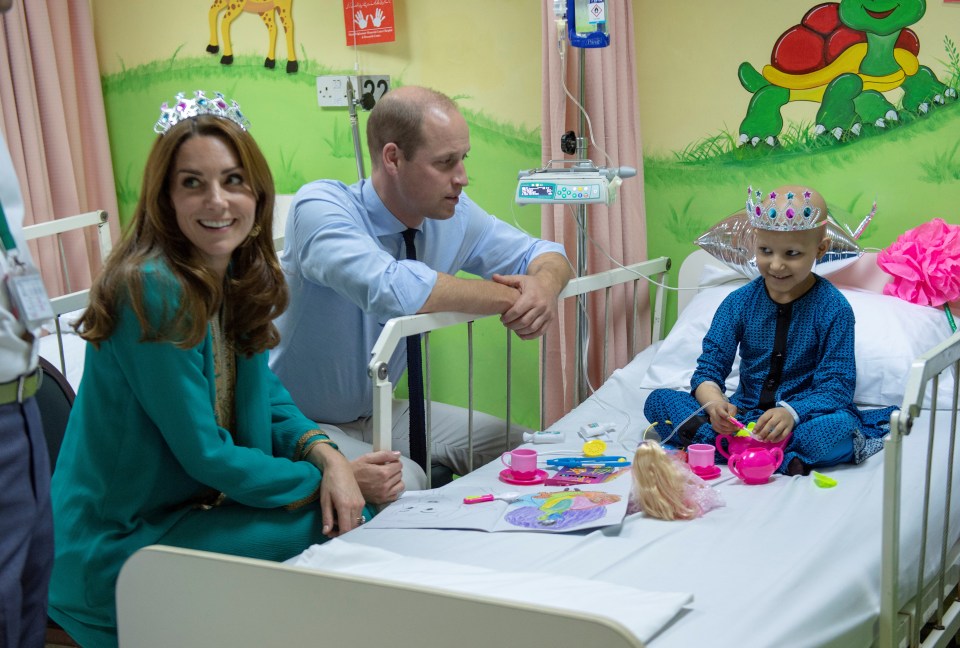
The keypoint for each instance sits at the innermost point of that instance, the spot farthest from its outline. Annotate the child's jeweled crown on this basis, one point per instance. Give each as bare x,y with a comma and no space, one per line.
200,104
791,216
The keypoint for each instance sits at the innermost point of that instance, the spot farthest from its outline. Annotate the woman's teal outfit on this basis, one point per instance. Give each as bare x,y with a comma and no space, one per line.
143,456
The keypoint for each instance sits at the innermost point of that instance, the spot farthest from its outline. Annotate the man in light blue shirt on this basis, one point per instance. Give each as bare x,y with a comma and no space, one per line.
348,274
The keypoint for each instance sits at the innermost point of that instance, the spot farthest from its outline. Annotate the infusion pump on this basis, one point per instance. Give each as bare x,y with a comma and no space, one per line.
561,188
571,185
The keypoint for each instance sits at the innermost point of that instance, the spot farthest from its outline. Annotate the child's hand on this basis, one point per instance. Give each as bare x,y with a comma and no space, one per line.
720,414
774,425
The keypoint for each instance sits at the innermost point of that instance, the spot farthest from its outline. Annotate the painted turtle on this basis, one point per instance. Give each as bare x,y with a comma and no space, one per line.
844,56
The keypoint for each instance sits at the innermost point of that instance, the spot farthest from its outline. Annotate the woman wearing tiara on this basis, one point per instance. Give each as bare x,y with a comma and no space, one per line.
795,335
180,434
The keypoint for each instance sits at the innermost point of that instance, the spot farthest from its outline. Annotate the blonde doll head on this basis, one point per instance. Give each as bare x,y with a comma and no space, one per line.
666,488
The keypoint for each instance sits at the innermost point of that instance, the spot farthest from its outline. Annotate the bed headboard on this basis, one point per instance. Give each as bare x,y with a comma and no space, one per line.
690,273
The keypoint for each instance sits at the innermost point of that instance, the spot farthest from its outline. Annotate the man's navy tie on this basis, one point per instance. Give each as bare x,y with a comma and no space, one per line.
418,426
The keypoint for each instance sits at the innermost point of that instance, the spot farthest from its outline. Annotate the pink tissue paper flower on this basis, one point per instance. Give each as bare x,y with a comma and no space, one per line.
925,264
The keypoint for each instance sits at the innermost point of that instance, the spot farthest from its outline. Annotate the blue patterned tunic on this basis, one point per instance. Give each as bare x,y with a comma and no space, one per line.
801,354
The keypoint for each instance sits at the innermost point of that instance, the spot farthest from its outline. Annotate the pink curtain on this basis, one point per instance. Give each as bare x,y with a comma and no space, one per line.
52,115
610,99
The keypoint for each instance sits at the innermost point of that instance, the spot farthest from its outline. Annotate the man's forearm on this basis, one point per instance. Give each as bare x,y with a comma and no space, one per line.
468,296
553,268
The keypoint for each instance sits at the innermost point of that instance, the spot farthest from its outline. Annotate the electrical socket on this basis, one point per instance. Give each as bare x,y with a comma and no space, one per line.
332,89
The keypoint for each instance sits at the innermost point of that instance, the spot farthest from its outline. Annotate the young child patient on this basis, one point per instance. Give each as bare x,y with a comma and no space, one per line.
795,333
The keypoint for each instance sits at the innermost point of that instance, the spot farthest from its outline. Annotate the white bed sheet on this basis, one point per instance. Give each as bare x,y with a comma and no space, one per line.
74,350
783,564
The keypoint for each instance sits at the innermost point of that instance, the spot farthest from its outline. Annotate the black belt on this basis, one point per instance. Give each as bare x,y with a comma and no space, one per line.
19,390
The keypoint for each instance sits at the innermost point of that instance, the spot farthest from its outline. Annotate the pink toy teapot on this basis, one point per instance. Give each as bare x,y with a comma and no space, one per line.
755,465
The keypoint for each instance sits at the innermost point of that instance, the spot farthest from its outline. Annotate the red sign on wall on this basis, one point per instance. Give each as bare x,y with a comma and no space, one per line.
368,21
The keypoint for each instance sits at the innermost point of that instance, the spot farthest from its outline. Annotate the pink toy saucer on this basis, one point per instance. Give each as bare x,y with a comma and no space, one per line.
506,475
706,472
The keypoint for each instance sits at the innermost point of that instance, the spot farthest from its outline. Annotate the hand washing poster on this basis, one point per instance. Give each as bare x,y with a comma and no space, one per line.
368,21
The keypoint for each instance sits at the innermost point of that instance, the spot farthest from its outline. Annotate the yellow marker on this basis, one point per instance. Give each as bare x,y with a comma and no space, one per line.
594,448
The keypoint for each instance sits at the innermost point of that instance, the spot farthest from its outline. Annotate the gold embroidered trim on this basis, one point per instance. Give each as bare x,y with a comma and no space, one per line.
302,448
317,440
306,500
225,374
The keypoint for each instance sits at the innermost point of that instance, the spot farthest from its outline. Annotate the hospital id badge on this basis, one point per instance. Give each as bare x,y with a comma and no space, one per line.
28,297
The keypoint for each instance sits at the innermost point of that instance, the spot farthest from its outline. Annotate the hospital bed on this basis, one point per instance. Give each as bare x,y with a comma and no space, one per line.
783,564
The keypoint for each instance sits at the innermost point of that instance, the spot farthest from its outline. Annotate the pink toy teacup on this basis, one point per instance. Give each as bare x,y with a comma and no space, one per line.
755,465
522,463
700,455
737,444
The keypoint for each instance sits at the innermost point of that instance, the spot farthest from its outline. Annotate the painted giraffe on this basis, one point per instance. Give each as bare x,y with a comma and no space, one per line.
265,9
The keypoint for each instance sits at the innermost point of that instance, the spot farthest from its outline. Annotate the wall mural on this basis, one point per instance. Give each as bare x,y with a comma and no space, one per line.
268,12
851,104
303,142
844,56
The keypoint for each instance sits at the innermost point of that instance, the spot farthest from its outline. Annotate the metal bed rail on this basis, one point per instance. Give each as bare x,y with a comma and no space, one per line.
931,616
396,329
78,299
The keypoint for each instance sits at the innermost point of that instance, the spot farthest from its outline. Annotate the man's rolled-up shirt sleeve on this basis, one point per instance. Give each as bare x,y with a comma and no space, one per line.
335,251
497,247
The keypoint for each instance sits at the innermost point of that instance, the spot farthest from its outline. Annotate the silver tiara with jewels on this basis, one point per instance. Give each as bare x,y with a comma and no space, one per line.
792,215
200,104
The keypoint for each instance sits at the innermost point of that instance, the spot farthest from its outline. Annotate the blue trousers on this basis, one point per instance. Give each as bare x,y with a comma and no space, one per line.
823,441
26,526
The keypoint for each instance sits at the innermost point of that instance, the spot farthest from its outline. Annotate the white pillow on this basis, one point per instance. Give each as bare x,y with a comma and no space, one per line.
890,335
676,359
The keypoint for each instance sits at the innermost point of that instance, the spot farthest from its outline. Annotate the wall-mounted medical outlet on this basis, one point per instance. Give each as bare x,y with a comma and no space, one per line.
367,90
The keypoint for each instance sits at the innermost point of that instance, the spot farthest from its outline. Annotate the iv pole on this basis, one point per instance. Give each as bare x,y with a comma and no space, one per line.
355,128
582,331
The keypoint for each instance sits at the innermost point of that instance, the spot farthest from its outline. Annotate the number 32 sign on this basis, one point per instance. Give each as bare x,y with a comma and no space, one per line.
368,21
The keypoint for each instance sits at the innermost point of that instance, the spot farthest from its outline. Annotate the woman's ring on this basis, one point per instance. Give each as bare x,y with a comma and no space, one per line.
361,519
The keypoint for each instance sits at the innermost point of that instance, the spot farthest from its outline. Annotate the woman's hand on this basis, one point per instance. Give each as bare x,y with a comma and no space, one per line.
341,501
774,425
379,475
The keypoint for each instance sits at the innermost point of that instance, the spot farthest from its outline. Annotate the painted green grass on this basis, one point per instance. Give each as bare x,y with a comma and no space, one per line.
943,166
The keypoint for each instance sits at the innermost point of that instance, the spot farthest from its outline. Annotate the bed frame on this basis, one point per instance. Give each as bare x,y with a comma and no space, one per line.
168,596
931,615
397,329
78,299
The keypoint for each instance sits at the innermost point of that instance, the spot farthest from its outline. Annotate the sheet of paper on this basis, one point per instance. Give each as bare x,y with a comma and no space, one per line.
551,509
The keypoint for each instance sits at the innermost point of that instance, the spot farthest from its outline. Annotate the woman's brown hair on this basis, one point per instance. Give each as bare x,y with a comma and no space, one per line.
254,289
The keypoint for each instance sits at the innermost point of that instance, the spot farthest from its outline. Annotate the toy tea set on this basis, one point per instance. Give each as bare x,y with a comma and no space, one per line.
751,460
593,467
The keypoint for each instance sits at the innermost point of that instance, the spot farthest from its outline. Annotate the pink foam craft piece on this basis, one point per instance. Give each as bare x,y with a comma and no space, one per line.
925,264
